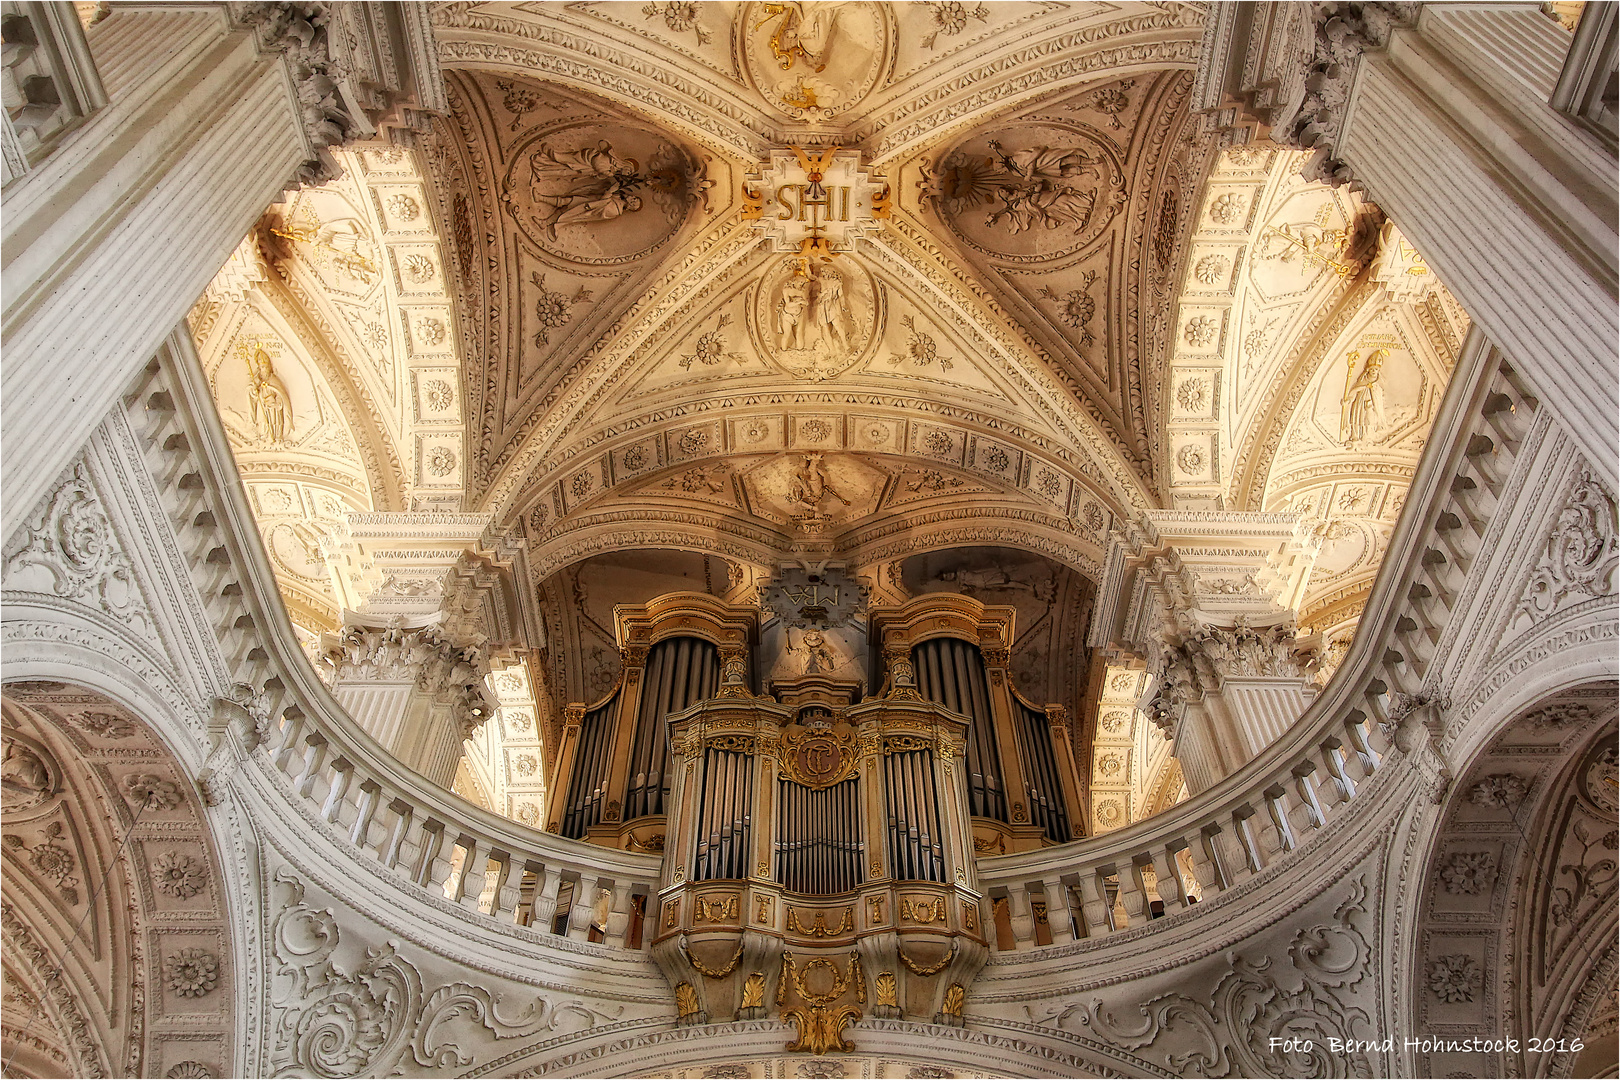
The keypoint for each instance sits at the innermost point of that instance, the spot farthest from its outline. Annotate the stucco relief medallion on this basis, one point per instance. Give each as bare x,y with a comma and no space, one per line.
1598,778
295,547
1031,192
815,59
599,194
28,774
815,319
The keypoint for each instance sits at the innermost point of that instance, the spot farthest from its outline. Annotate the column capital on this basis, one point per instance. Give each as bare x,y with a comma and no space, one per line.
359,71
1173,574
1283,71
419,656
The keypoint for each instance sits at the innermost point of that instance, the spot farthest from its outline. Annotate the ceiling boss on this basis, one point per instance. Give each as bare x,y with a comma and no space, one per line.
814,202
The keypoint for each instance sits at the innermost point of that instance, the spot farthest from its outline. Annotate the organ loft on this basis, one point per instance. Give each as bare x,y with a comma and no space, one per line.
818,827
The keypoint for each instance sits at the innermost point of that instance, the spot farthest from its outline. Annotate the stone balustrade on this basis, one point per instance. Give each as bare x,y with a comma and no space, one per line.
284,721
1334,754
281,722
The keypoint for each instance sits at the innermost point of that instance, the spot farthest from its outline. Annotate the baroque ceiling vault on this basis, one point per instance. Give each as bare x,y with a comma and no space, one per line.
737,285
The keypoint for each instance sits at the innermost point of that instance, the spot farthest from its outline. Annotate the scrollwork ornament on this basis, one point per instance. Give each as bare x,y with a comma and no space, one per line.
1258,1021
1582,554
377,1018
73,542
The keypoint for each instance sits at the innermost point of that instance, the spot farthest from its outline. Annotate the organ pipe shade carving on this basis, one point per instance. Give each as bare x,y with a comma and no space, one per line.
818,837
950,672
912,804
1043,787
725,815
680,672
587,786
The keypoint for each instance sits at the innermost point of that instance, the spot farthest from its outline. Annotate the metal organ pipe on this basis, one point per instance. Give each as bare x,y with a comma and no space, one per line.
585,788
912,799
951,672
679,672
724,816
818,838
1046,806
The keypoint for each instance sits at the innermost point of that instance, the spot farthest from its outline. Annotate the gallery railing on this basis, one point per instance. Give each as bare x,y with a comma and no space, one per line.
1331,761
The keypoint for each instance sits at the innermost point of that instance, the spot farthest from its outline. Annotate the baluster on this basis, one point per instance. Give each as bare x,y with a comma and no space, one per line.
1277,807
1219,874
312,762
1355,727
1333,754
494,898
1139,886
1245,830
618,911
522,915
342,773
545,898
426,871
1132,896
292,725
402,815
1307,793
1058,917
359,832
468,889
579,919
1169,880
1021,918
1093,907
1187,880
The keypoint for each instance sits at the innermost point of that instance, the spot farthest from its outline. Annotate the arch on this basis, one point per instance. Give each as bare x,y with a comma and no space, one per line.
1583,642
117,903
1517,916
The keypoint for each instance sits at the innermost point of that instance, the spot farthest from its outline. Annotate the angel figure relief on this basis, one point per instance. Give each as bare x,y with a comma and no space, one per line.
1038,187
805,30
596,183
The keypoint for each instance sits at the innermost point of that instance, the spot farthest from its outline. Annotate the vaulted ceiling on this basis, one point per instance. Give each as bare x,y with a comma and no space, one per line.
1003,321
568,325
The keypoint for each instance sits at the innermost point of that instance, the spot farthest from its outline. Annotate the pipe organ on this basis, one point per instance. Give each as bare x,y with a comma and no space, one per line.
1021,778
819,845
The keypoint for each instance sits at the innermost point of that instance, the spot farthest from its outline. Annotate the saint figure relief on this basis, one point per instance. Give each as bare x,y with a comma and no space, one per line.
808,486
1363,401
793,311
810,312
818,655
572,187
804,31
268,403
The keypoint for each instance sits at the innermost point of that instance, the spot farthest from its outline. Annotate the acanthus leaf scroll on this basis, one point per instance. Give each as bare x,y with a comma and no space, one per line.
378,1016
